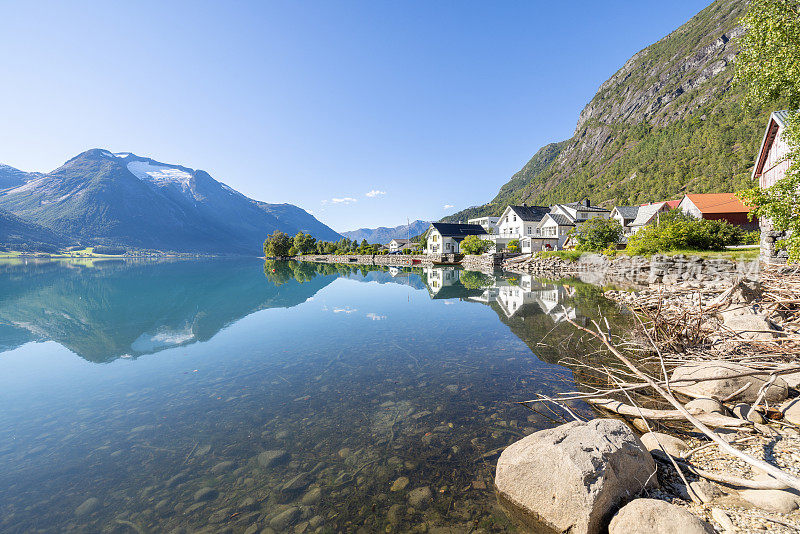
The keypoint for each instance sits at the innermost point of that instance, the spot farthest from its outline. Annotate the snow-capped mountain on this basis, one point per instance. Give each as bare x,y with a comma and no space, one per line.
100,197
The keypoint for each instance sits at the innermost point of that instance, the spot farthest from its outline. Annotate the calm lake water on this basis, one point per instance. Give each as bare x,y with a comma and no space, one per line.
230,396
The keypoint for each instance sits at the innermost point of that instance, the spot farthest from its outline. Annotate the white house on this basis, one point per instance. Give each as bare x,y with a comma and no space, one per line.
446,238
400,244
554,228
517,222
625,215
648,214
489,223
581,211
553,231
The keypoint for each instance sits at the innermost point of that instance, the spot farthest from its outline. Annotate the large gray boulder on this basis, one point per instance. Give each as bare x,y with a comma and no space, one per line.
718,379
573,477
651,516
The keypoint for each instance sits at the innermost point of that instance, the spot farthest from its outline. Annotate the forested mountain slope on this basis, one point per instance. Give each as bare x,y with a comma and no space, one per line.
669,121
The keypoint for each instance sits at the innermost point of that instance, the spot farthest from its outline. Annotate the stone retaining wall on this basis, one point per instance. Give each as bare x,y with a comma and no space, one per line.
394,260
486,262
770,253
637,270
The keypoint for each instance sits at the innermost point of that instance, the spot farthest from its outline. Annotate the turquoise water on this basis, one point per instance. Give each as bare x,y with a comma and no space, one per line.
137,397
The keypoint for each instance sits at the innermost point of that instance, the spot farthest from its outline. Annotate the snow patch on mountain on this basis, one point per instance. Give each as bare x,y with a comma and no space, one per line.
144,170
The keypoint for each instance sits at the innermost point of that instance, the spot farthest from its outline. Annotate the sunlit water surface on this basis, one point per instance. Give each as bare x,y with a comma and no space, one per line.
137,397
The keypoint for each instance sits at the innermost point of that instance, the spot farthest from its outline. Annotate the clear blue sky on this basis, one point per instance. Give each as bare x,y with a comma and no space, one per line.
429,104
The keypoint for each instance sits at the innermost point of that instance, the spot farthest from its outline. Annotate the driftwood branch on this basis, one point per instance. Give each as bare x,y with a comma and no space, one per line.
780,475
710,419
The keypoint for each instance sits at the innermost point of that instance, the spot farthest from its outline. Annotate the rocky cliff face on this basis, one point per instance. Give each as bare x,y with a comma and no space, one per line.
667,122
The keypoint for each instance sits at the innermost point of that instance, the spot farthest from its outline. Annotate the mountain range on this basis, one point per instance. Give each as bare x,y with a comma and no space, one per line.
382,235
105,198
668,122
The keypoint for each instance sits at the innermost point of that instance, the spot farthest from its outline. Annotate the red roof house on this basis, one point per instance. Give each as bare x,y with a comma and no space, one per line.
714,206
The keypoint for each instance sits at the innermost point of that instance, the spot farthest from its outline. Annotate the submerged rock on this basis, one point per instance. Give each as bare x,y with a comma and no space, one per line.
285,518
399,484
312,497
205,494
651,516
572,477
222,467
420,497
273,457
720,380
89,505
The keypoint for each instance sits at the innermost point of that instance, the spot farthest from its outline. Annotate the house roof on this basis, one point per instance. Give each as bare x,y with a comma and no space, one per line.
530,213
627,212
777,120
561,220
646,213
458,229
718,203
400,241
582,207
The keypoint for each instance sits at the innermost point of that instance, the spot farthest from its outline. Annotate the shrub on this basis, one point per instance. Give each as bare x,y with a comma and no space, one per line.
472,244
679,231
596,234
513,245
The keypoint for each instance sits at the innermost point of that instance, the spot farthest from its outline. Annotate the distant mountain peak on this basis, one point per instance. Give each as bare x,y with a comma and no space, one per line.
120,198
382,234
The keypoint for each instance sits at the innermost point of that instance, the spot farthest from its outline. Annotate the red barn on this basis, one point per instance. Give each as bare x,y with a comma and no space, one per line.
714,206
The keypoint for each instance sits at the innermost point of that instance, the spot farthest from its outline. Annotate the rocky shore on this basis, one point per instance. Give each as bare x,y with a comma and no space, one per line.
636,270
725,351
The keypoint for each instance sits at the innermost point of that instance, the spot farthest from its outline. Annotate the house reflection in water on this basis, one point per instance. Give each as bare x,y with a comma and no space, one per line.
526,296
519,297
445,283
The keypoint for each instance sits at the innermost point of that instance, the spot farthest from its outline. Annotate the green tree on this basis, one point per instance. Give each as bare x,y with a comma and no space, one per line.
596,234
473,244
304,243
513,245
277,245
768,66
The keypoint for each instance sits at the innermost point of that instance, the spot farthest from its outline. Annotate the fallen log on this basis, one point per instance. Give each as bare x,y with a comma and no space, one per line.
711,419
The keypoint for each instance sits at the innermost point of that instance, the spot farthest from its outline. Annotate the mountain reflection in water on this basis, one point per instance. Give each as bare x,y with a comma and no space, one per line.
383,394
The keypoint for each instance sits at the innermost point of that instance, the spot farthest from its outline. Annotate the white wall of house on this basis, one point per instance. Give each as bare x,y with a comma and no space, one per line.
775,164
512,226
489,223
617,216
395,245
553,233
688,207
438,244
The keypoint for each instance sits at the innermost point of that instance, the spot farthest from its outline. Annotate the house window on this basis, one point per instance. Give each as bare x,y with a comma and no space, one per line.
515,218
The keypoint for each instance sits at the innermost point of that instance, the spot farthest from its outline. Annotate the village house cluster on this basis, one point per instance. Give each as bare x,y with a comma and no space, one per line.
538,228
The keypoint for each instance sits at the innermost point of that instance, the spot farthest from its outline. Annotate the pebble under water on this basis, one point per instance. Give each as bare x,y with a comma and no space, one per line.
243,397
